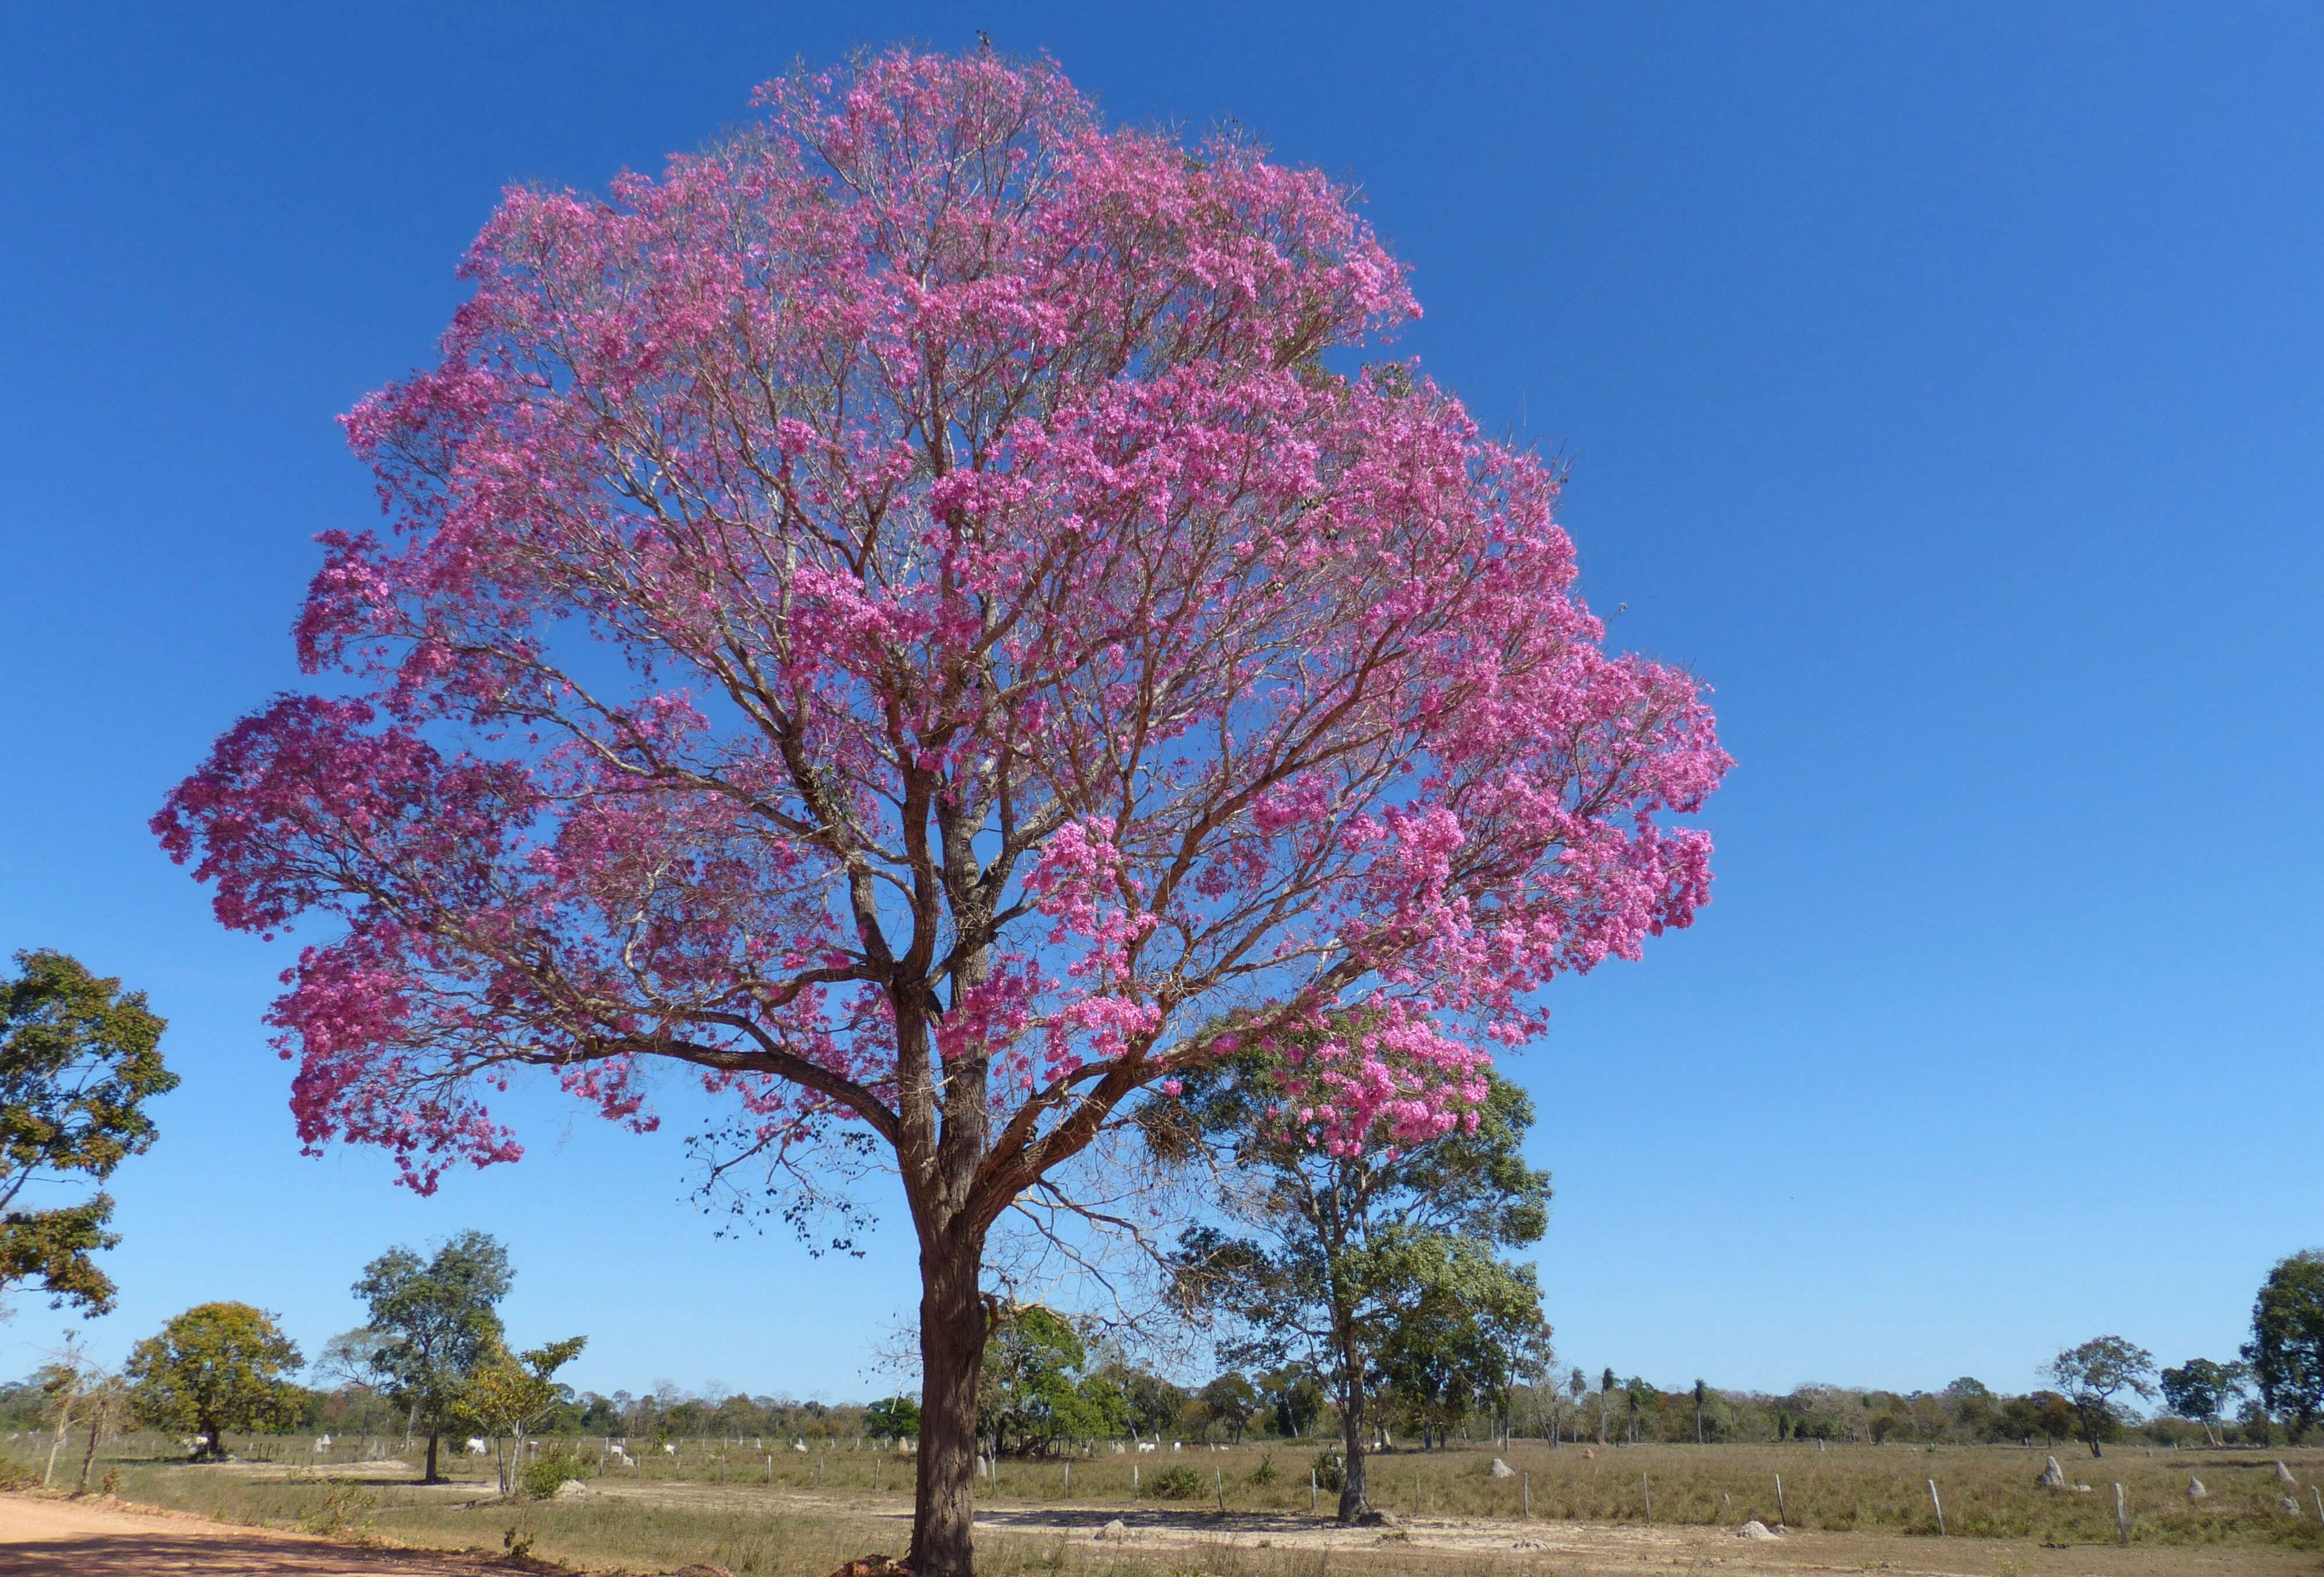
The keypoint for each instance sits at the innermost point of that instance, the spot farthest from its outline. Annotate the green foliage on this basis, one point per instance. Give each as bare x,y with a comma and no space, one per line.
2200,1389
511,1394
2091,1375
1331,1469
79,1058
2286,1351
1176,1483
1293,1398
1232,1400
1264,1474
1032,1392
894,1418
1381,1269
544,1474
216,1367
433,1322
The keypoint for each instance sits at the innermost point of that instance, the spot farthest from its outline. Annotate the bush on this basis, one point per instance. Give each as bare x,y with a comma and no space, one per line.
1330,1471
1265,1472
1180,1483
541,1475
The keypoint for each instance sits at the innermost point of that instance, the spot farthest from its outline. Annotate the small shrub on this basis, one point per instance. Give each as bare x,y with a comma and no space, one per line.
1265,1472
345,1511
1330,1471
541,1475
111,1483
518,1544
1179,1483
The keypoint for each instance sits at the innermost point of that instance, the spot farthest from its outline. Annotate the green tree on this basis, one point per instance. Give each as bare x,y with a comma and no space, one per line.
2201,1390
1458,1345
1293,1398
79,1059
1233,1401
512,1394
216,1367
2093,1374
1323,1255
896,1417
435,1322
2286,1351
1032,1391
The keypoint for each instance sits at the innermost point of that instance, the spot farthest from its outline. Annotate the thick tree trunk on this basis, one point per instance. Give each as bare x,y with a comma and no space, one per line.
952,1352
434,1436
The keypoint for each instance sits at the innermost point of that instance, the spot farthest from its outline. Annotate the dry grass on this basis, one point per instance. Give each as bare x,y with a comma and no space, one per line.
709,1506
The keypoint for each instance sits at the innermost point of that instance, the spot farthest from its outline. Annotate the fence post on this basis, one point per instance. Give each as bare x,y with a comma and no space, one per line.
1219,1483
2121,1515
1133,1480
1525,1488
1310,1490
1069,1480
1650,1489
1940,1506
1783,1514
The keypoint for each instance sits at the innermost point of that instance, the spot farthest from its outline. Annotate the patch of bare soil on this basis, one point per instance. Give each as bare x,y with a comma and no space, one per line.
97,1539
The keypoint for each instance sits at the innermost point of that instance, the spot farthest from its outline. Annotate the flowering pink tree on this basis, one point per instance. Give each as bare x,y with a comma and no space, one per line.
907,619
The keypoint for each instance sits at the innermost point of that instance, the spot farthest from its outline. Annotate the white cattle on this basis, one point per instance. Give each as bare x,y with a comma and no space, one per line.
623,1457
322,1442
1177,1445
799,1445
668,1449
1147,1446
477,1447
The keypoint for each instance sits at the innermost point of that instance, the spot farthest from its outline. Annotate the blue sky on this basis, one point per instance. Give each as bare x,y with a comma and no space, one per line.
1943,383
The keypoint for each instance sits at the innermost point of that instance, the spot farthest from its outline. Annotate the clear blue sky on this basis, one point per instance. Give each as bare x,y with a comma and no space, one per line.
1943,383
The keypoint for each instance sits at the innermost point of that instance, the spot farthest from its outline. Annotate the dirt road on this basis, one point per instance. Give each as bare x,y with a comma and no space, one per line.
92,1539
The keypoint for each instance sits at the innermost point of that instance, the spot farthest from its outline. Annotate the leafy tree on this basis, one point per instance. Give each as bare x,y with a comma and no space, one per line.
1456,1347
2286,1351
1701,1392
2201,1390
436,1323
1606,1401
1293,1398
2093,1374
894,1418
79,1059
1036,642
1352,1258
512,1394
1033,1392
1233,1401
216,1367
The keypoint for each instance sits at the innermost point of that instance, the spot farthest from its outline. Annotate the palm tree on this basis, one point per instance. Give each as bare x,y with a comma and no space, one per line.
1605,1400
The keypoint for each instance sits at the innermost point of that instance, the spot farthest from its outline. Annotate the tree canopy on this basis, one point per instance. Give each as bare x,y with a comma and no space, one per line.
1376,1266
2286,1351
2093,1374
433,1324
1031,635
216,1367
79,1060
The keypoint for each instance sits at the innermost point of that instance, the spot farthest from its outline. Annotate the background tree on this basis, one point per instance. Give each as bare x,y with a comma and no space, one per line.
2286,1351
511,1394
1605,1401
1035,1393
216,1367
436,1322
1233,1401
1036,643
892,1418
1700,1391
1293,1399
2201,1390
2092,1375
1329,1249
79,1060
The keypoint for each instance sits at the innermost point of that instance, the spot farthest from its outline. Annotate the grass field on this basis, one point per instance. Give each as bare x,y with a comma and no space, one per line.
715,1503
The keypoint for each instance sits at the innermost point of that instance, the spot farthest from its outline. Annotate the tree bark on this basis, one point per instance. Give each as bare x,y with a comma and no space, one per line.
1354,1496
952,1354
429,1477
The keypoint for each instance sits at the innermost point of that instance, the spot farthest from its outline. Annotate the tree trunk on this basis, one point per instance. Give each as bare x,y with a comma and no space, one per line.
429,1477
88,1457
952,1352
1354,1497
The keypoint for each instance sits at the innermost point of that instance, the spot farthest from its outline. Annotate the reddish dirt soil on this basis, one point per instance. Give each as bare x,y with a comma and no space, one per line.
107,1539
